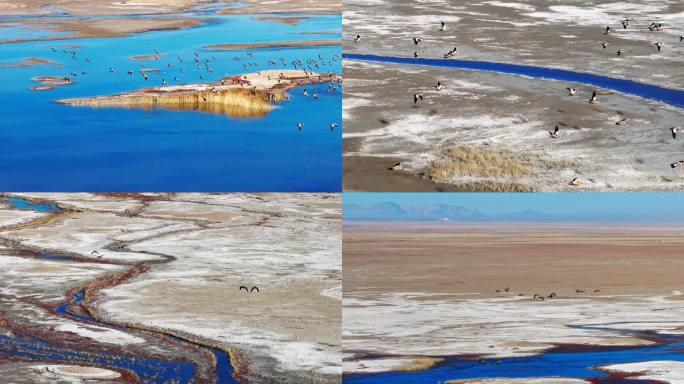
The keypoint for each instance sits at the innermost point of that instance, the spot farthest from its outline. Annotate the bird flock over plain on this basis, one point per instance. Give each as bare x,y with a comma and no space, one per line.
626,23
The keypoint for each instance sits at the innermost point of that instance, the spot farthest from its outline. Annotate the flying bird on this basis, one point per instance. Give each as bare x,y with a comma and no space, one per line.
417,97
572,91
607,30
676,164
254,289
443,27
605,44
674,132
620,52
439,86
417,40
621,121
659,45
300,126
555,133
594,98
243,287
333,126
576,182
357,38
394,167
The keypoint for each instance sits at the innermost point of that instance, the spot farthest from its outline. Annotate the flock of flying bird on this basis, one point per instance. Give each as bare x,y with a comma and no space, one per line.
555,134
309,65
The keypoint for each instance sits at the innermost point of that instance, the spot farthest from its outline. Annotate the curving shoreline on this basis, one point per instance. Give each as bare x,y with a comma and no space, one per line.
245,95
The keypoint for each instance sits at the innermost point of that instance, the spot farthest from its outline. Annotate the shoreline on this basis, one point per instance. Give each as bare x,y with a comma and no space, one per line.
275,44
242,95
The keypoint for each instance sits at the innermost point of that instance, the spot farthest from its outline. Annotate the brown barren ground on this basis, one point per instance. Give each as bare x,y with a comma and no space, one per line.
275,44
480,258
80,28
286,6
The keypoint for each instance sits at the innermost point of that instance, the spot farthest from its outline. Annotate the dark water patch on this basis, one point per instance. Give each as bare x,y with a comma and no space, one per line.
150,370
669,96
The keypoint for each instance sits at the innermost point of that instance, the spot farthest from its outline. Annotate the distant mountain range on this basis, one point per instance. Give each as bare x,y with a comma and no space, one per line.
390,211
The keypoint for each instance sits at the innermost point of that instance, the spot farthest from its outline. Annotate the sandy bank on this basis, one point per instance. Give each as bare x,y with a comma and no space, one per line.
81,28
29,62
285,6
248,95
275,44
50,82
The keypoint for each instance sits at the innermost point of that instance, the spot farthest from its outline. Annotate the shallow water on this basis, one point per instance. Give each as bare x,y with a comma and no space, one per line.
47,146
19,203
577,362
670,96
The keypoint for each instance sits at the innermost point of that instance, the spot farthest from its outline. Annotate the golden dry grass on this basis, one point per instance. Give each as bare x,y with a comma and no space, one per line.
490,186
232,102
479,162
421,364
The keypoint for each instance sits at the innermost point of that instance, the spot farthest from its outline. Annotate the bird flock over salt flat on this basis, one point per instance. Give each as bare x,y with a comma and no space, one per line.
572,92
206,67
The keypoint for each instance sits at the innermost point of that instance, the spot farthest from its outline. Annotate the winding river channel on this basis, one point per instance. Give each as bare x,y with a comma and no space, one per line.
133,366
674,97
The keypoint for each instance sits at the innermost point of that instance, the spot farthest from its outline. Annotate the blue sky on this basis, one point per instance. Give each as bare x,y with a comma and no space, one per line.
576,204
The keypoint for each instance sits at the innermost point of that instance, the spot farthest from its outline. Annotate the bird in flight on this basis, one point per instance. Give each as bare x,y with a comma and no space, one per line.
594,98
555,134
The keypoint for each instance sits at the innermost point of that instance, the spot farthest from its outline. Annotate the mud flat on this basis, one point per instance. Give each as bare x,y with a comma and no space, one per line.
285,6
77,28
98,286
663,371
416,291
29,62
50,82
248,95
275,44
507,117
95,7
490,132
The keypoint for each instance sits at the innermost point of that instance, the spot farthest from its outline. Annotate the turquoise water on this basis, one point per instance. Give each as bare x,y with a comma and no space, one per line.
47,146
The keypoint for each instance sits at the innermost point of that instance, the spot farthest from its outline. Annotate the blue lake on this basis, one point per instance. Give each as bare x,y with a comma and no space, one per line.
674,97
51,147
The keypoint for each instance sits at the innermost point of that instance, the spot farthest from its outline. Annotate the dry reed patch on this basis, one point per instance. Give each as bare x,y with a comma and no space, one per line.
479,162
421,364
231,102
491,186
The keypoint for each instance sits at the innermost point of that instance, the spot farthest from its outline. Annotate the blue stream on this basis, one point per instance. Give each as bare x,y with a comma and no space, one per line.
48,146
148,369
561,363
670,96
